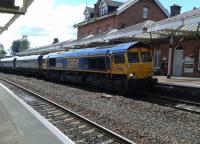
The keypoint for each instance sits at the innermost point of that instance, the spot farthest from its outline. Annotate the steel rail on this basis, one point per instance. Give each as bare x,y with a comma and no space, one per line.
189,103
114,135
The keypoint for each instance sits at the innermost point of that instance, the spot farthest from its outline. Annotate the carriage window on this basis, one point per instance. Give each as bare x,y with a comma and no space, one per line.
133,57
146,57
119,59
52,62
83,63
97,63
59,63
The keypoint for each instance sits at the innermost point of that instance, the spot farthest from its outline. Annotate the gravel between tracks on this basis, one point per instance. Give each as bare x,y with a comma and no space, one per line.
142,122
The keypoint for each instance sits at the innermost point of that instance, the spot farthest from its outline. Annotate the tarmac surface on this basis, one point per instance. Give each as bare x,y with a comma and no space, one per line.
20,124
180,81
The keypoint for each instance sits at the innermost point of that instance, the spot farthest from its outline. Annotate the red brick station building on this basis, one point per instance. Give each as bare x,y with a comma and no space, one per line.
108,15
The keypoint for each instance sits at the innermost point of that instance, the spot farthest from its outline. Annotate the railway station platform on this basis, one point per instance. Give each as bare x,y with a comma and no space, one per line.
20,124
179,81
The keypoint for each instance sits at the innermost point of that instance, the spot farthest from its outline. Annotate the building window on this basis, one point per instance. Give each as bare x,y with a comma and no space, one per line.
145,12
98,30
123,25
87,17
89,32
108,28
157,59
81,35
103,10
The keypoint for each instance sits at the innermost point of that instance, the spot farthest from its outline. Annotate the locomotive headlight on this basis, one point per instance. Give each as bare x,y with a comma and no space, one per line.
133,76
151,73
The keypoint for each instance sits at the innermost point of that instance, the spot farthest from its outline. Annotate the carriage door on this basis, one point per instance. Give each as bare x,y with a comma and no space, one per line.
178,61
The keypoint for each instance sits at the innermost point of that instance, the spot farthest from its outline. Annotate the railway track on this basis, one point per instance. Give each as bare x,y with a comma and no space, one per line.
76,127
180,104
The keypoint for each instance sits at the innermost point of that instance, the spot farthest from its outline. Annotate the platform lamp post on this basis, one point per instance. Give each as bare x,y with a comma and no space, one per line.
171,42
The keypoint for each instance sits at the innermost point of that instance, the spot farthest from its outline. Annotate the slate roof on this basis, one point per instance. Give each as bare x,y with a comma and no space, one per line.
113,3
91,10
121,8
129,3
184,15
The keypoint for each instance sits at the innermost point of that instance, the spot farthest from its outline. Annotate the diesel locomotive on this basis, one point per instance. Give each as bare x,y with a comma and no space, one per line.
122,67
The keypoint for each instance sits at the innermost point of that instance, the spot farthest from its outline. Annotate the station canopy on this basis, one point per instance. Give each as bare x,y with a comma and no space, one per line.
185,24
10,10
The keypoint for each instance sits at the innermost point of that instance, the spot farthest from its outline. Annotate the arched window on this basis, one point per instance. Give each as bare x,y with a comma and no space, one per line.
145,12
179,47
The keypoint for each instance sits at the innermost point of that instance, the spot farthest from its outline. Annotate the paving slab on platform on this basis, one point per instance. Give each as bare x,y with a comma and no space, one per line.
180,81
20,124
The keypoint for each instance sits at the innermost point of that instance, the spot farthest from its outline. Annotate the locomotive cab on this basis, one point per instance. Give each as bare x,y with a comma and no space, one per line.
140,63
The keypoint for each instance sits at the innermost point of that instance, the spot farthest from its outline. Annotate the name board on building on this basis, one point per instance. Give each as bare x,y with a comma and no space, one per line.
189,65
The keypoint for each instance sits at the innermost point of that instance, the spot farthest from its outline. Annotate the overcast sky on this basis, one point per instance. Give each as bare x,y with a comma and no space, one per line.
47,19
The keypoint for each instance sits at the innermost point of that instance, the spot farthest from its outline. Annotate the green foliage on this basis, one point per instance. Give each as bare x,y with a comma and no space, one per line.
20,45
15,46
24,45
2,53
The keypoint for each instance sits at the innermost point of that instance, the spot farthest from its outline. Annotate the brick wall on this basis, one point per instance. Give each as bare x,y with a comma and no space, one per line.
190,48
131,16
134,14
91,28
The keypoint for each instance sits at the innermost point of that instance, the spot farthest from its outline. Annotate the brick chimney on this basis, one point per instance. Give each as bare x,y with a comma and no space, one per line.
55,41
175,10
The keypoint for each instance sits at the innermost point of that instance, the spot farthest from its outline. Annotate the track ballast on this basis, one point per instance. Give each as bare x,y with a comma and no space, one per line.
74,126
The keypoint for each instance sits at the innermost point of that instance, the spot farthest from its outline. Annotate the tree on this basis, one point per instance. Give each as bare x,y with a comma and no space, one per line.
15,48
20,45
2,53
24,43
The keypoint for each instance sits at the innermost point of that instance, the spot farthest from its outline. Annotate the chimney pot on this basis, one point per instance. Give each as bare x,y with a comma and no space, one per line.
175,10
55,41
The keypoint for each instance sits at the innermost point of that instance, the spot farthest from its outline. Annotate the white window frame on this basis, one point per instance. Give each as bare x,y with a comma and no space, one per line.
108,28
98,30
87,17
145,12
156,51
103,8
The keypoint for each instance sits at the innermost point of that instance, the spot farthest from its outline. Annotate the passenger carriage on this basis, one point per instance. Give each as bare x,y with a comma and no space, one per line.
7,64
29,64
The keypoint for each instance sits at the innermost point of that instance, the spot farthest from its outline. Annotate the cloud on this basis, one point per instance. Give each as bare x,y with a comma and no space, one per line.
35,31
43,22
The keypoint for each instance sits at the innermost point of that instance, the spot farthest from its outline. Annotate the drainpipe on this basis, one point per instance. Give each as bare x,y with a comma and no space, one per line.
171,41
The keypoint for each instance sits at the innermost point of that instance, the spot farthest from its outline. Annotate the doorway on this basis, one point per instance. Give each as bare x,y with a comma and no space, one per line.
178,61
